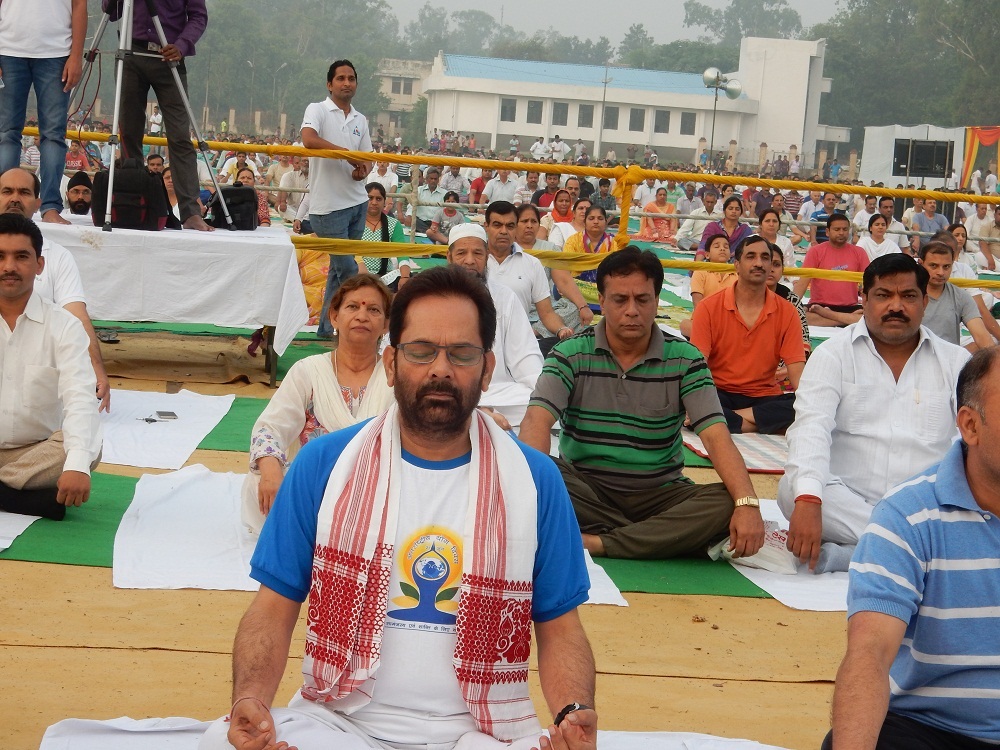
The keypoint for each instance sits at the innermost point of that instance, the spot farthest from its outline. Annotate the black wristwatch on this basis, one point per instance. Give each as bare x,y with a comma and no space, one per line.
567,710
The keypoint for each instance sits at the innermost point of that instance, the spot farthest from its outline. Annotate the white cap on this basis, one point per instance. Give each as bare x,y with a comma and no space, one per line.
469,229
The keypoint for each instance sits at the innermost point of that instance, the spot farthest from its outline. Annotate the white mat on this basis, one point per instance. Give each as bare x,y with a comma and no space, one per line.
12,525
602,588
183,530
183,734
130,441
823,332
826,592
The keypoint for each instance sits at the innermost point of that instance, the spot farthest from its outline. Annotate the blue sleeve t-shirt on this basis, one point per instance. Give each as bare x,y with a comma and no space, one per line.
283,560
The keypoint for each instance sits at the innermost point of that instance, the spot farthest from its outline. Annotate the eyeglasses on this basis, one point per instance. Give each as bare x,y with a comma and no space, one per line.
423,353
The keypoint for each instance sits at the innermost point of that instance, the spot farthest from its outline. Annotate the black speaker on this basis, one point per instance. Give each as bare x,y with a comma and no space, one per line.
923,158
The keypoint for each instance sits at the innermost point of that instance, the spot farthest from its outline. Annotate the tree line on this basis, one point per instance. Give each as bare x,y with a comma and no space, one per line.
890,61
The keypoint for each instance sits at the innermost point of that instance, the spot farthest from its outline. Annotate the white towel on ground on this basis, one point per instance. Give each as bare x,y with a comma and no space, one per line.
183,734
183,530
826,592
12,525
602,588
167,444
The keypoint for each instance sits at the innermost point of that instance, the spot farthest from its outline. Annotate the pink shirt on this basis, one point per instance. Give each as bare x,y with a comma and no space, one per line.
847,258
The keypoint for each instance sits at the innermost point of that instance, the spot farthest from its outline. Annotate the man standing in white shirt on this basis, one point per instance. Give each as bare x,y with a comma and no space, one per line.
59,281
50,435
298,179
538,149
337,199
559,148
990,183
875,404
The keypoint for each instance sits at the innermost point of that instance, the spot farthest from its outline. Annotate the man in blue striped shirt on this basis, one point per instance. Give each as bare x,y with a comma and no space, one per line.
922,668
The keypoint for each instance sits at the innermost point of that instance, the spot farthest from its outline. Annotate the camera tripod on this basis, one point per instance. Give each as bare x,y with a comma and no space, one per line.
123,51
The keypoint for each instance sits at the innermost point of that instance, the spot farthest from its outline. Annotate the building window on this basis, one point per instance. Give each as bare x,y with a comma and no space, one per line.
637,120
585,116
688,120
661,121
560,113
534,112
611,118
408,86
508,110
397,85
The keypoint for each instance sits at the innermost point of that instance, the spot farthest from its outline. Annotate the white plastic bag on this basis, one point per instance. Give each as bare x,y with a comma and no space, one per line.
773,556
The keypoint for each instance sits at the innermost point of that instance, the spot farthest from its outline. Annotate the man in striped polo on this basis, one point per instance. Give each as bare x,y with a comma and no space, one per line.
923,639
621,391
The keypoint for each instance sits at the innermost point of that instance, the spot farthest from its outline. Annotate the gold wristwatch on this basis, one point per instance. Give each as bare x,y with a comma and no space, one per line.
749,501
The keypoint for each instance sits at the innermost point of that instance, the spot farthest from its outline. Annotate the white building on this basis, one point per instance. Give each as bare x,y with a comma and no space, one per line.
612,107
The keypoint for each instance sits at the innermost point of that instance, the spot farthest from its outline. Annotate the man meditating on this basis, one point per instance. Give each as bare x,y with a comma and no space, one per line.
621,390
50,436
427,540
744,332
875,405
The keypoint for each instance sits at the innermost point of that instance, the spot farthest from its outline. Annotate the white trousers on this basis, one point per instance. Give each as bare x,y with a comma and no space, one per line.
845,512
308,725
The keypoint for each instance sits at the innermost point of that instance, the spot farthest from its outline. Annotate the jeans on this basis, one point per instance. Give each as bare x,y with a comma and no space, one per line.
20,74
347,224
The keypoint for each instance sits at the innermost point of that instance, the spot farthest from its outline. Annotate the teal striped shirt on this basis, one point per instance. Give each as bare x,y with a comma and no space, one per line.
623,429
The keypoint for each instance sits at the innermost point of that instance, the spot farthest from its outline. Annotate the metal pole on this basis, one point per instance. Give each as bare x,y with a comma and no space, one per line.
715,108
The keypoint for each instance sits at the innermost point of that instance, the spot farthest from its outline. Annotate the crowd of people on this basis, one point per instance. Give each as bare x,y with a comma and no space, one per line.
385,486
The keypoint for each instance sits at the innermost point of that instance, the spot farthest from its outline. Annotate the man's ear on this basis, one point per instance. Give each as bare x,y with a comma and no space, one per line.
389,362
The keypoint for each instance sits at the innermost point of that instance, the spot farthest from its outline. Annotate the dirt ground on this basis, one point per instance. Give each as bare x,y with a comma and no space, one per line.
71,645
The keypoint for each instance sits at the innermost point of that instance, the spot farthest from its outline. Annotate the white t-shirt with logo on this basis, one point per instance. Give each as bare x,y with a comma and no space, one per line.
331,186
418,642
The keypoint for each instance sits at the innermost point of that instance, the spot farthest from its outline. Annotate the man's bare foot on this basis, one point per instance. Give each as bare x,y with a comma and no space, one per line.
196,222
593,544
52,217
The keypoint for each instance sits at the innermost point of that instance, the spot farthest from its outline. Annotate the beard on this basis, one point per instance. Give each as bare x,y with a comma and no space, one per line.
420,413
79,208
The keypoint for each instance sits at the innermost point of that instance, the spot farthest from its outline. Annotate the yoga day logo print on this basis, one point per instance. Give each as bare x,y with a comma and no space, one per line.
430,566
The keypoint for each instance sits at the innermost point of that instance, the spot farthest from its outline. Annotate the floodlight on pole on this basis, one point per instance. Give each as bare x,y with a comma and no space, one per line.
714,79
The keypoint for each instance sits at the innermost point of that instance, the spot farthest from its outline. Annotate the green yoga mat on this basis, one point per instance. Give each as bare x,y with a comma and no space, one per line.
694,461
186,329
87,535
695,577
233,431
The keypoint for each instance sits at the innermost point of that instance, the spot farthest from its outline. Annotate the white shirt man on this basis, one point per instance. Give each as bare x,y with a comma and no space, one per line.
876,404
155,121
50,434
559,149
503,187
539,150
519,360
692,229
289,202
454,181
332,187
990,183
645,192
385,177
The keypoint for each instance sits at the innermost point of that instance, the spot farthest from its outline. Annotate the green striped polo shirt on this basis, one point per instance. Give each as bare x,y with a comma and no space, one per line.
623,429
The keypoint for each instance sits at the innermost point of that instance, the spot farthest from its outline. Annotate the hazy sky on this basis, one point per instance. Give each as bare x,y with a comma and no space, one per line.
664,19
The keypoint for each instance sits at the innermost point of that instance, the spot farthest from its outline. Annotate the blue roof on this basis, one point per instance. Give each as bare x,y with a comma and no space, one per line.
563,74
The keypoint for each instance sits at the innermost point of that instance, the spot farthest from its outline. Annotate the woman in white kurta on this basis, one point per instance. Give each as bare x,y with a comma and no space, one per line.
322,393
